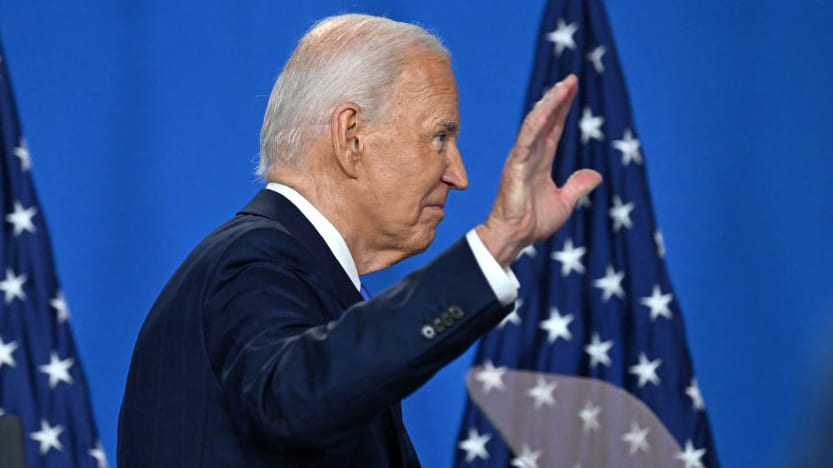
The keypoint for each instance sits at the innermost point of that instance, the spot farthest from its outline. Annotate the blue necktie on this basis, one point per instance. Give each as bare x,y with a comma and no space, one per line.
364,292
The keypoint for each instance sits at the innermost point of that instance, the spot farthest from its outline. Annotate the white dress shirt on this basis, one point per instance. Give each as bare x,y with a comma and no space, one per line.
502,280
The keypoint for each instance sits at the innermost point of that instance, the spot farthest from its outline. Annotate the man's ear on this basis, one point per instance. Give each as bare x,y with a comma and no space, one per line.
347,136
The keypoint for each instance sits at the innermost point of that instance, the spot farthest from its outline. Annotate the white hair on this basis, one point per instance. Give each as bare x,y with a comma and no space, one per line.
342,58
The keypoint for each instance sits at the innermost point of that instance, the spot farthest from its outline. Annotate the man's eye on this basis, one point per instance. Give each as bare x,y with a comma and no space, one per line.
439,140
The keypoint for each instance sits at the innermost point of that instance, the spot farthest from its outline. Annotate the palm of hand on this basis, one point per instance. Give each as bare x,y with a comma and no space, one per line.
529,206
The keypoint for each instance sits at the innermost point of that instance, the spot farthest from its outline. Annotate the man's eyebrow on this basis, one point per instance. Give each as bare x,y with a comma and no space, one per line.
449,126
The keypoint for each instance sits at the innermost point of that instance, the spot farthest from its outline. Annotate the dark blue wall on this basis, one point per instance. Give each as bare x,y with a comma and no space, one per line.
143,121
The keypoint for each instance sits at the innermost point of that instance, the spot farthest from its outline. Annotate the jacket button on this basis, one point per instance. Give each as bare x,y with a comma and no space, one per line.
447,318
455,311
438,325
428,332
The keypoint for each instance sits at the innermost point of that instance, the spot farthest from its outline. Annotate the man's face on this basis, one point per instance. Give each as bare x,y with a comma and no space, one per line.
412,159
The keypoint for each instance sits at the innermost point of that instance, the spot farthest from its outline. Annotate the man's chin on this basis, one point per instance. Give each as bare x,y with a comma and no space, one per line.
425,240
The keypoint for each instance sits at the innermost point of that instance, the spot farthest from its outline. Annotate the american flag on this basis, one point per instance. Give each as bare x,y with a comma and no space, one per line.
41,380
591,369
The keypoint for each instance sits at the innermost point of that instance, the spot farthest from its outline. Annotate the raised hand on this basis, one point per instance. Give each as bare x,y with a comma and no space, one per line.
529,206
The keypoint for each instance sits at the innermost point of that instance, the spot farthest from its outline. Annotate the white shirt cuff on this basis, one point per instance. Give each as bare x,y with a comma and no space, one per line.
503,281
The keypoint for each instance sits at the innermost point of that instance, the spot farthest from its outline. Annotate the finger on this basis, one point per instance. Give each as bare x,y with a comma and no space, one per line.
540,119
579,184
559,117
555,127
560,113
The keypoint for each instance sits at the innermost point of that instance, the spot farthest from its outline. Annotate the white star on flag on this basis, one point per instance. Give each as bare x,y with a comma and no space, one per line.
57,370
637,438
6,350
12,286
557,326
597,349
570,258
491,377
527,458
621,214
595,56
611,284
590,417
646,370
59,303
562,37
590,126
658,303
513,316
629,146
475,445
693,392
542,392
22,153
690,456
98,453
584,202
47,436
21,218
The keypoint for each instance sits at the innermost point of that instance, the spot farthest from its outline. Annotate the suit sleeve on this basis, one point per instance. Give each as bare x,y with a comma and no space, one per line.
297,380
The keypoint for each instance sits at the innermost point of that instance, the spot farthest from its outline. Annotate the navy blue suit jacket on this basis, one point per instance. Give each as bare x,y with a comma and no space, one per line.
260,352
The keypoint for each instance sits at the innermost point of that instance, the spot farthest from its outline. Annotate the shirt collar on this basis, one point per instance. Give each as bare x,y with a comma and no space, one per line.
333,239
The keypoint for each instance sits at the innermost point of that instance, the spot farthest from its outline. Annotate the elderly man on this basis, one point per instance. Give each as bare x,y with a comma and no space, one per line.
261,351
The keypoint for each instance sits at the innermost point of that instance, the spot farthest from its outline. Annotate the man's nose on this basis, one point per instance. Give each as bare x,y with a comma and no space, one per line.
455,173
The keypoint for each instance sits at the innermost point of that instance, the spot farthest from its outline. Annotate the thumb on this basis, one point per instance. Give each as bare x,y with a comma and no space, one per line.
579,184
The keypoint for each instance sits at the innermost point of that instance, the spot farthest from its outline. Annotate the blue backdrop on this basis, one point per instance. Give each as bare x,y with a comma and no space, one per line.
143,121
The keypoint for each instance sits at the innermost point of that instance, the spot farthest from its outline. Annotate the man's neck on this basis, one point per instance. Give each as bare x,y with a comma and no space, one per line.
329,232
333,196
